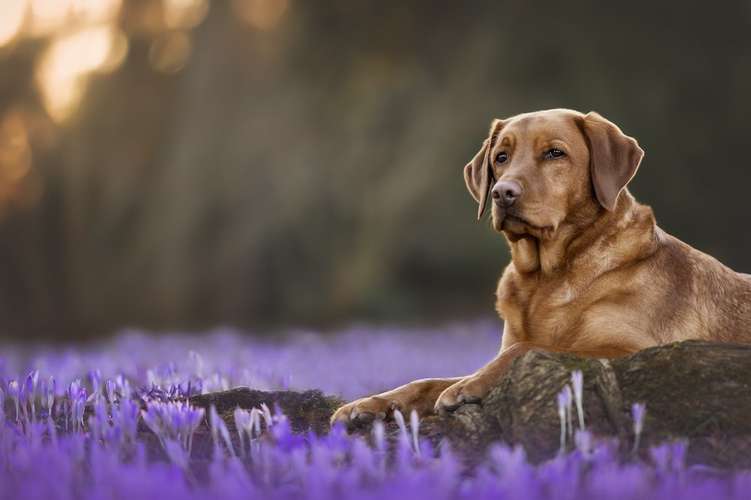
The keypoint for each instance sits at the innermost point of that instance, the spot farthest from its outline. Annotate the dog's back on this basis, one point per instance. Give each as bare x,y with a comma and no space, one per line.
720,297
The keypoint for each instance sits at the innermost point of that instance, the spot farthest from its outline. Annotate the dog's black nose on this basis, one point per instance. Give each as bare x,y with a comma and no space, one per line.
506,192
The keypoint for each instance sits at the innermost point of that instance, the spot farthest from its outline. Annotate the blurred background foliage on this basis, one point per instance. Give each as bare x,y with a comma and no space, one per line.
185,163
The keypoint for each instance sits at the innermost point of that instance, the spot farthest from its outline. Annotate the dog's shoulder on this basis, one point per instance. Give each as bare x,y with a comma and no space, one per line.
714,299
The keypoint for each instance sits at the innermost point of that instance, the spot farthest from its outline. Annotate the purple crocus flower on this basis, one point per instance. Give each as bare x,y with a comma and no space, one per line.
584,442
176,453
284,438
95,379
51,393
110,391
219,429
577,381
123,387
125,417
173,420
244,426
638,412
109,456
14,392
669,457
79,408
414,424
379,436
564,413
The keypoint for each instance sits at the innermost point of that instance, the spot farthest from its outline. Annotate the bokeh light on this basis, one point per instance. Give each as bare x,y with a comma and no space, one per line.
64,68
95,11
48,15
184,14
12,13
170,52
85,37
261,14
15,156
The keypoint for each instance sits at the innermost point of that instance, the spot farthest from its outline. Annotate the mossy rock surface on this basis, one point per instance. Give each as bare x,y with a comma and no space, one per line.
307,410
698,391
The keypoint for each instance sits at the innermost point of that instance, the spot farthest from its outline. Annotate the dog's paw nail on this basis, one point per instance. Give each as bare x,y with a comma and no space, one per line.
468,399
364,418
444,407
444,410
339,417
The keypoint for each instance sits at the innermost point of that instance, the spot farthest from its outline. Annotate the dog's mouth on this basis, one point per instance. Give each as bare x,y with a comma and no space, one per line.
516,227
514,220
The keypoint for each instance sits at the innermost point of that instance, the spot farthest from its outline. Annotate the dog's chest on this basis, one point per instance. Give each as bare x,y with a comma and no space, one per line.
576,315
549,313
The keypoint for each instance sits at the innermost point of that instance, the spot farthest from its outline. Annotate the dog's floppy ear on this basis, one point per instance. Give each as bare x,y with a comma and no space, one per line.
477,172
614,158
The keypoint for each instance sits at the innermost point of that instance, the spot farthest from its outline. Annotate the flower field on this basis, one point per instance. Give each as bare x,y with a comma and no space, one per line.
83,422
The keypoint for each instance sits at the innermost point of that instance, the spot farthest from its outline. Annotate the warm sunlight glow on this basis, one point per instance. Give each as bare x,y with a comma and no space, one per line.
48,15
12,14
15,153
261,14
169,53
15,157
117,53
61,92
67,62
95,11
184,14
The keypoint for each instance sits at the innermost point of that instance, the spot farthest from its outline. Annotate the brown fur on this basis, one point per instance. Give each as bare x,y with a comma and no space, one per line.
590,272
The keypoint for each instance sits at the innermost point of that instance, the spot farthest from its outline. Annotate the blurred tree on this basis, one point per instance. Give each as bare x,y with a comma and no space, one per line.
270,162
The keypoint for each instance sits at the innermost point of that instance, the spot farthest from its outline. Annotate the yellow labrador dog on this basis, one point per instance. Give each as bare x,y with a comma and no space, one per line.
590,272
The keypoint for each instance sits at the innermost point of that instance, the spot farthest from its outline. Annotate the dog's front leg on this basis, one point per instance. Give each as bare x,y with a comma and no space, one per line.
419,395
474,388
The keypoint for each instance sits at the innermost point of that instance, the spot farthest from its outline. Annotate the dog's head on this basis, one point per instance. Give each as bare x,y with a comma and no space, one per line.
540,169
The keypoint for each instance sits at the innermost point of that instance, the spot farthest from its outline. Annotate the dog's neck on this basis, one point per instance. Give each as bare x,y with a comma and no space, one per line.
587,239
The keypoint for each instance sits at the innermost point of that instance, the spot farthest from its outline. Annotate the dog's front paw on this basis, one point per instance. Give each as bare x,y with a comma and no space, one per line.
364,411
468,390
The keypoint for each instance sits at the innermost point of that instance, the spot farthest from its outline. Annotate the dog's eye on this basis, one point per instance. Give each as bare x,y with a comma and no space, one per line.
501,158
552,154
